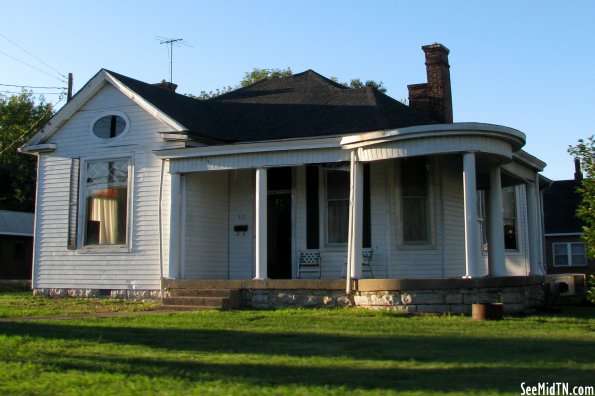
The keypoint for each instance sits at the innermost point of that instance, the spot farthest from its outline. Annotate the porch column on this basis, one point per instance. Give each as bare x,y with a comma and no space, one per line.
260,271
533,210
469,191
496,248
356,216
175,226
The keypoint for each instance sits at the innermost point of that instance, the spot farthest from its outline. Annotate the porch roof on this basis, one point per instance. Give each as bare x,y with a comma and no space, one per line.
499,143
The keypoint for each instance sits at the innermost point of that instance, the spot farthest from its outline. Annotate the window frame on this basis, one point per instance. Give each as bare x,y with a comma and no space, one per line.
430,243
82,207
482,219
517,209
107,114
569,254
325,202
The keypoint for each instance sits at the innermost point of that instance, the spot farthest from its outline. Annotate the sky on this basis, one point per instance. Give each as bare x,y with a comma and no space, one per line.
528,65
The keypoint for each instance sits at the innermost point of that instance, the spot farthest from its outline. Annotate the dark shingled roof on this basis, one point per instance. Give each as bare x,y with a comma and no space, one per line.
303,105
560,202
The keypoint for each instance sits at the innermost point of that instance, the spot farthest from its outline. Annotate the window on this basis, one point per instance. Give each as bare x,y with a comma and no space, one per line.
415,202
482,218
110,126
571,254
106,202
509,218
337,200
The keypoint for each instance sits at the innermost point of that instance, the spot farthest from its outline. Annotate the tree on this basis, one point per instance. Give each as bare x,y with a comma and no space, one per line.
585,152
257,75
20,117
357,83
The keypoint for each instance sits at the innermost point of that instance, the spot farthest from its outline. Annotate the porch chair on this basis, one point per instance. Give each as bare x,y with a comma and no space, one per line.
367,254
309,262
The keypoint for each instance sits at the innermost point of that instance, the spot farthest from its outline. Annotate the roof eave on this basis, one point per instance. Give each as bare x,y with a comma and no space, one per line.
84,95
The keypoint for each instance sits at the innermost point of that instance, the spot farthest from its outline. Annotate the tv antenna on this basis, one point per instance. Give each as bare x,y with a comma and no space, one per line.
171,43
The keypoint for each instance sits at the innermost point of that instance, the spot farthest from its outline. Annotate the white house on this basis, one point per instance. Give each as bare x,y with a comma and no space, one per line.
143,191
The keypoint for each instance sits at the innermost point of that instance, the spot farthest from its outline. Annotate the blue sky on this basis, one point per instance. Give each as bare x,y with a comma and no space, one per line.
529,65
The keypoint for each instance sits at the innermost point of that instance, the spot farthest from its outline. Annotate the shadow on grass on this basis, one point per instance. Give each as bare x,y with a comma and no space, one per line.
427,380
429,363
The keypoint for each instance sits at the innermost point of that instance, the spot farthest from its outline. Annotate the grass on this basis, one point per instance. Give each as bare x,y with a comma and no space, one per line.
22,304
301,352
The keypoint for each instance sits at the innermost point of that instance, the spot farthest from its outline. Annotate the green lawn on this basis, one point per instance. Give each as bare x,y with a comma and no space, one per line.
302,352
22,304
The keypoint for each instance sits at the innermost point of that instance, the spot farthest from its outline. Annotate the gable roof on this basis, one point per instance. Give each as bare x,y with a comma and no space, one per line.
560,202
303,105
16,223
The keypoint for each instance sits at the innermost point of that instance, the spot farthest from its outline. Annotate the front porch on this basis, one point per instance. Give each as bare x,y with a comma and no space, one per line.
518,294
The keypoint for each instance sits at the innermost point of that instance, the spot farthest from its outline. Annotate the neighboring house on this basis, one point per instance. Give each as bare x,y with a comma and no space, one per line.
139,186
564,249
16,244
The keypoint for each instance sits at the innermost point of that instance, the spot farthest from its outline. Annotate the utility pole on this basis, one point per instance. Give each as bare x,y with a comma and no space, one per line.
69,92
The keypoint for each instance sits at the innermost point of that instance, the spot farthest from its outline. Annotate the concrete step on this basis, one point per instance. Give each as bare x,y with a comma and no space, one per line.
184,308
212,302
185,292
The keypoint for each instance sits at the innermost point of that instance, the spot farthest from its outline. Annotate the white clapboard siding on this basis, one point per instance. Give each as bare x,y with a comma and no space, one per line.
55,265
453,237
241,212
206,226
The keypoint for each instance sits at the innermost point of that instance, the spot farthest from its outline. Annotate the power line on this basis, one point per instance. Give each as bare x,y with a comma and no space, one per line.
31,66
30,86
15,44
35,93
49,110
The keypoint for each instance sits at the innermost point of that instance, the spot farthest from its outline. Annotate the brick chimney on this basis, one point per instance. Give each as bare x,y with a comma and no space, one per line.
166,85
434,98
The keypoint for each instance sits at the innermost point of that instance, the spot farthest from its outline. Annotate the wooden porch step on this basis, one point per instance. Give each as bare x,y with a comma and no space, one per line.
176,298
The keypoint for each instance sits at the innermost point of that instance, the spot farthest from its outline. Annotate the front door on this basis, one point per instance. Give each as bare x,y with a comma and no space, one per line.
279,223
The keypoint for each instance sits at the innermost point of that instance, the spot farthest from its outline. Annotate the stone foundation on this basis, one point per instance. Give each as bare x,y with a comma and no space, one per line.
100,293
518,294
258,298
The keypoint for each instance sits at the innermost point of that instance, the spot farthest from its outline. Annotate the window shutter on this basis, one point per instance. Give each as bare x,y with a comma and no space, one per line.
312,222
73,203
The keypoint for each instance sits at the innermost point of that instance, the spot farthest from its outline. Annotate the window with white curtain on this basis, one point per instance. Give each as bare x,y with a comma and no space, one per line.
106,202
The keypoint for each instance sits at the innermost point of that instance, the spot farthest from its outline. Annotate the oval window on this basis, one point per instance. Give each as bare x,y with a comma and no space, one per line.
109,126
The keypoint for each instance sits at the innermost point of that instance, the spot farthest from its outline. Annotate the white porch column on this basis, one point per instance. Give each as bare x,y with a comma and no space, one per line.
533,210
469,190
356,216
175,226
260,271
496,248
